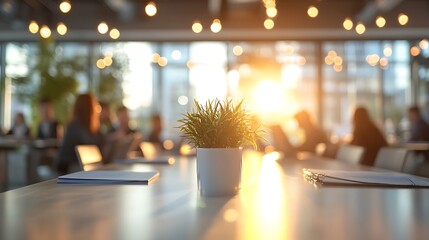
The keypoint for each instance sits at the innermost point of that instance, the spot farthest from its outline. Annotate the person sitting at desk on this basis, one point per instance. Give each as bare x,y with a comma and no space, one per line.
367,135
84,129
123,124
49,128
313,133
419,127
121,137
19,129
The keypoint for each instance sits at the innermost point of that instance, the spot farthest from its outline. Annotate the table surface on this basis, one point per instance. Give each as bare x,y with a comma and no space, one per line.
275,202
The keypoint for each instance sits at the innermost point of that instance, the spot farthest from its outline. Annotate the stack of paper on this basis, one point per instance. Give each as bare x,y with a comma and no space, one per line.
108,177
364,178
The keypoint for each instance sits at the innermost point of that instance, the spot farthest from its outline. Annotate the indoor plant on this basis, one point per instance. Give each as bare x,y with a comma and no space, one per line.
218,129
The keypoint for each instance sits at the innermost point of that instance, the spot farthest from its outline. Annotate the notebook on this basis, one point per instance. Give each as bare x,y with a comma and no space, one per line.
363,178
108,177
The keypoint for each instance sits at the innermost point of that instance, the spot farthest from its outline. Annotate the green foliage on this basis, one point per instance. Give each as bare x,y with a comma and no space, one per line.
219,124
56,80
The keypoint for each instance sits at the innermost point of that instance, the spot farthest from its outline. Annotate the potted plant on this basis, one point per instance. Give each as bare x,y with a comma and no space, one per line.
218,130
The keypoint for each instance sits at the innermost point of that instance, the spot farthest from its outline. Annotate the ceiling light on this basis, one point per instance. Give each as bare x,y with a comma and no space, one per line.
150,9
216,26
61,28
45,32
402,19
269,3
269,24
312,11
348,24
197,27
360,28
380,21
271,12
103,28
65,6
33,27
114,33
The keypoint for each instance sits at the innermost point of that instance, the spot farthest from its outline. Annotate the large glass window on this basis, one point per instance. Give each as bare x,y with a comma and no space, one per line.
19,82
373,74
275,79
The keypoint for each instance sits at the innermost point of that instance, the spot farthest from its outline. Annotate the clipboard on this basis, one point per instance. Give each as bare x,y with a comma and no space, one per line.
363,178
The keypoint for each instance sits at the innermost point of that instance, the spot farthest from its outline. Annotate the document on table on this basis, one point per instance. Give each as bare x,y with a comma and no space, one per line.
142,160
109,177
370,178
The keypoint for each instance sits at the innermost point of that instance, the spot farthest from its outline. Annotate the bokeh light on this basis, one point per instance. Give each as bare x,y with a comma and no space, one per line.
216,26
151,9
61,28
65,6
380,21
197,27
237,50
103,28
360,28
415,51
114,33
348,24
402,19
45,31
33,27
269,24
312,11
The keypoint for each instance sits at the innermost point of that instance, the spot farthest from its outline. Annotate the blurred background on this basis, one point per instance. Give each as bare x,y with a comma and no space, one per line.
280,56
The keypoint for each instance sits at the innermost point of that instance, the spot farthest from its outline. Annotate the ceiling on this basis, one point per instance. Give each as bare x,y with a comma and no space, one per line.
241,19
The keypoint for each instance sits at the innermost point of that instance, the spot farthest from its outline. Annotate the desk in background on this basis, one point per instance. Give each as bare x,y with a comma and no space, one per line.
275,203
8,145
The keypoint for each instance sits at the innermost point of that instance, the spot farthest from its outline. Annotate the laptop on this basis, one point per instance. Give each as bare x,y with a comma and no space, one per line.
90,158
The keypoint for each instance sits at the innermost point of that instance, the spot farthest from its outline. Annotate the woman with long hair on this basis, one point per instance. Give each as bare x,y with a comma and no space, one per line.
84,129
367,135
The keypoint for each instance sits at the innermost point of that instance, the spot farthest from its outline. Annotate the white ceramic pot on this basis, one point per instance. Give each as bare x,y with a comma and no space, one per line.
219,171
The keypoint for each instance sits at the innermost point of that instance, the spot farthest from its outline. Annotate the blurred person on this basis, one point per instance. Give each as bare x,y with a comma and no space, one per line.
314,135
106,125
121,138
155,134
419,127
367,135
48,128
19,129
84,129
123,124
